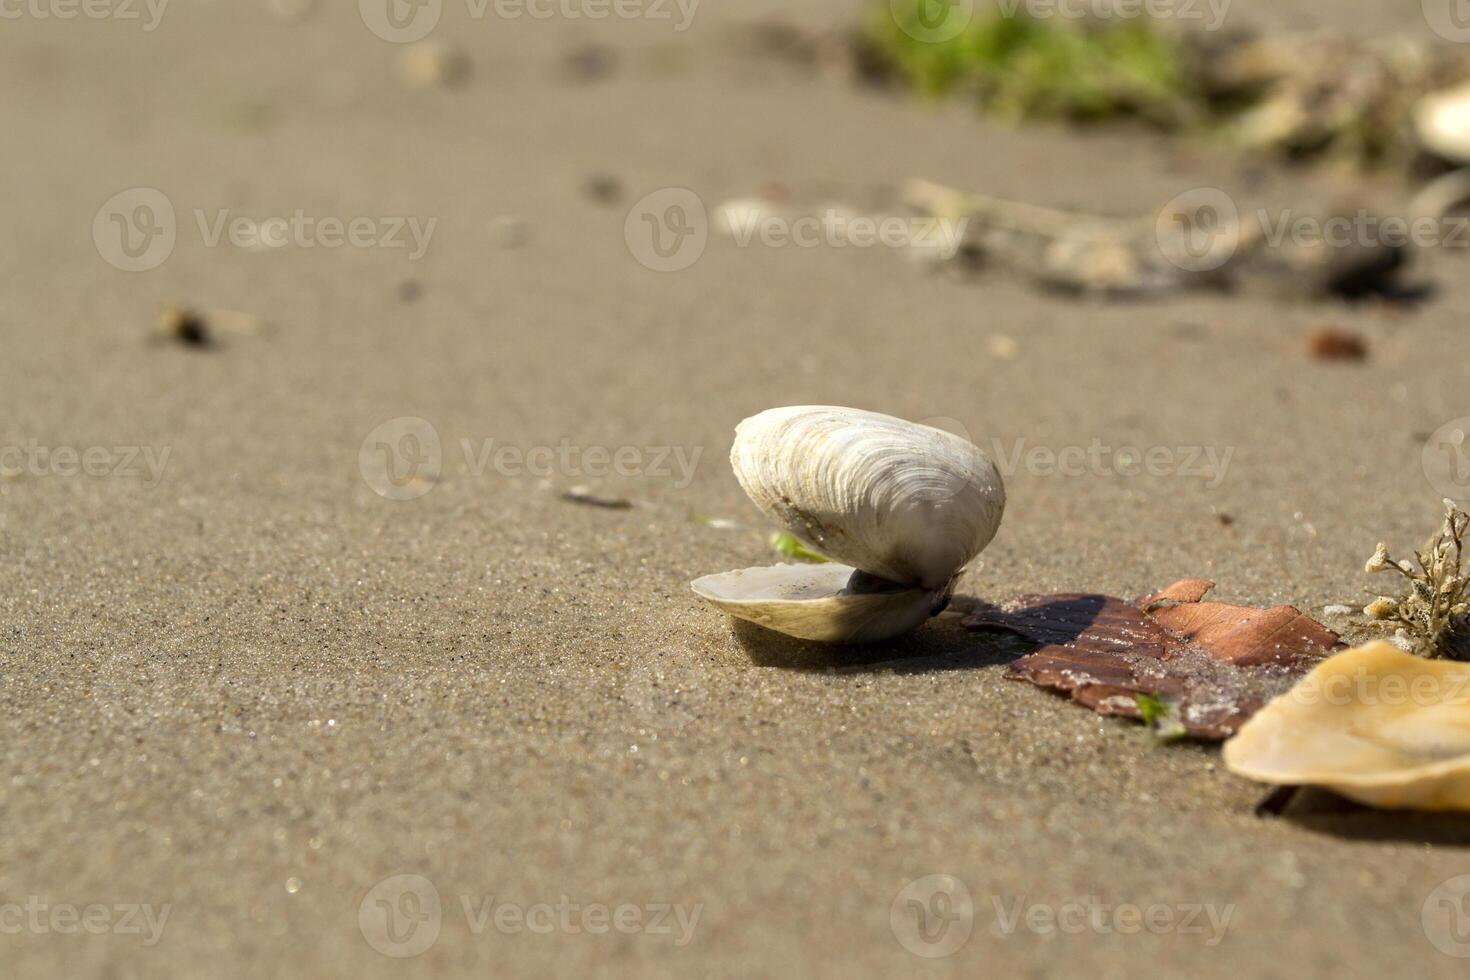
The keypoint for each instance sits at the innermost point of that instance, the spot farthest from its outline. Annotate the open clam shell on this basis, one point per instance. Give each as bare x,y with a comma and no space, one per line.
901,507
1374,724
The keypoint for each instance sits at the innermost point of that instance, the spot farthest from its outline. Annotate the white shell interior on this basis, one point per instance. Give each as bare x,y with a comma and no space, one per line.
811,602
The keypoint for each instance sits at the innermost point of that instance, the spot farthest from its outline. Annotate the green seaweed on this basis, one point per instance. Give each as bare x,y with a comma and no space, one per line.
786,544
1160,716
1023,67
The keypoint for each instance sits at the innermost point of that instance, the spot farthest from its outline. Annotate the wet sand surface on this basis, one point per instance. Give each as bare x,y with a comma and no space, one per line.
250,688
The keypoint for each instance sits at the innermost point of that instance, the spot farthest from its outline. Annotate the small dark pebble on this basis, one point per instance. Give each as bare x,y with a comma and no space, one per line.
591,63
604,188
185,326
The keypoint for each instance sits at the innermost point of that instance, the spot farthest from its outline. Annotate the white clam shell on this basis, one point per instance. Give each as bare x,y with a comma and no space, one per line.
906,505
1374,724
905,502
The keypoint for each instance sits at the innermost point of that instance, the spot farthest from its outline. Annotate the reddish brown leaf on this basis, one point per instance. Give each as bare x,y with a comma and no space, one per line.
1217,662
1247,637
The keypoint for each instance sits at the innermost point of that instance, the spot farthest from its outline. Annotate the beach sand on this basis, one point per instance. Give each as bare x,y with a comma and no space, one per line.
251,689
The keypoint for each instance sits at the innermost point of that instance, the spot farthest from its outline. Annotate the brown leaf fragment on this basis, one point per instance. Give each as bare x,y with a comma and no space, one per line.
1184,590
1334,344
1216,662
1247,637
1087,624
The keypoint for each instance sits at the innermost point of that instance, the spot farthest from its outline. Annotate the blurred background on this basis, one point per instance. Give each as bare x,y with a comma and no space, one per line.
291,649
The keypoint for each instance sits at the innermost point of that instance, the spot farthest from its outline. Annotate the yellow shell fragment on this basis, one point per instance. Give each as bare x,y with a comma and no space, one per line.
1374,724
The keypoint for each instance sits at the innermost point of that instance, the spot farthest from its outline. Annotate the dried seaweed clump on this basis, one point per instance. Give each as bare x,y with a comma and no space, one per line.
1434,616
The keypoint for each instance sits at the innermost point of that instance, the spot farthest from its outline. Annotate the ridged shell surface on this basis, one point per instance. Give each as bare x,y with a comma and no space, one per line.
905,502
